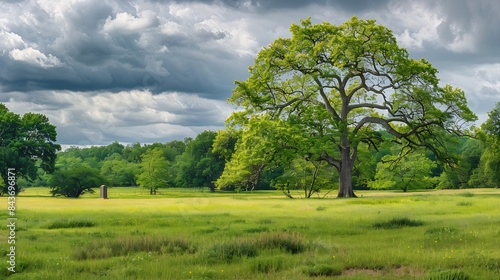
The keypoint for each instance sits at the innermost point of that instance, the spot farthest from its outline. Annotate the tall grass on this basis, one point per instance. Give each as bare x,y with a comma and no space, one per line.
99,249
70,224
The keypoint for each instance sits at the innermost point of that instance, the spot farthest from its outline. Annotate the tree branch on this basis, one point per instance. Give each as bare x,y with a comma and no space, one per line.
331,160
328,106
368,105
384,122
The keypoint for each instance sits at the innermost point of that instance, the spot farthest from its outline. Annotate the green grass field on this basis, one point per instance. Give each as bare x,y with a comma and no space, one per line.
187,234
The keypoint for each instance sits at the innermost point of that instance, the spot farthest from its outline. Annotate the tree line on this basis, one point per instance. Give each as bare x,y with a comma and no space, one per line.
202,161
212,161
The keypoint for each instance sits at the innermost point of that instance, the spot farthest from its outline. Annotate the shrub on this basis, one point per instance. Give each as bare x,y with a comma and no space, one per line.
76,182
398,223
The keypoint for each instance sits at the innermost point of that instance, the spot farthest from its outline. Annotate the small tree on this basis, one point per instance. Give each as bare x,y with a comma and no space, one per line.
75,182
154,170
304,173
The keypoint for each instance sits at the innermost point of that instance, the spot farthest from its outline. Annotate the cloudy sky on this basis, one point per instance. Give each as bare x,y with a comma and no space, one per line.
151,70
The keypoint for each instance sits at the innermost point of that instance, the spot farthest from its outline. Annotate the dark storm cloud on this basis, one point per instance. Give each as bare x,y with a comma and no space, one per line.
96,46
273,5
477,20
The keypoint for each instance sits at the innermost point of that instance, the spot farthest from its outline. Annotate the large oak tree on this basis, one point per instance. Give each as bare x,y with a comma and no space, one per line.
341,85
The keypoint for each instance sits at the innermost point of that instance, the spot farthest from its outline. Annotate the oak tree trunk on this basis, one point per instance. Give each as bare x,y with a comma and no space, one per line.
345,179
346,165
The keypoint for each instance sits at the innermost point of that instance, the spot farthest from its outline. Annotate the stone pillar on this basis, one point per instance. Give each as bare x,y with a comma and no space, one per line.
104,192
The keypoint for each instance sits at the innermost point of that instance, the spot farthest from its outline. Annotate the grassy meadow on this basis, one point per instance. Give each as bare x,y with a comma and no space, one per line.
189,234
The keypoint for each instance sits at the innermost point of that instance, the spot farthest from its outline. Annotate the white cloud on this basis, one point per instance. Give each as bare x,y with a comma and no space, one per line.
419,23
10,40
127,23
102,117
233,32
35,57
170,28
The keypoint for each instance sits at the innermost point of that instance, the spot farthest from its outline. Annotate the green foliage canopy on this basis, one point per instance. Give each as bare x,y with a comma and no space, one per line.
199,166
154,170
412,171
488,172
75,182
26,143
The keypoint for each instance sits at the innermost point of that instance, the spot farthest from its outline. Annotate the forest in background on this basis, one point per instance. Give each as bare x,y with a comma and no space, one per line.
199,163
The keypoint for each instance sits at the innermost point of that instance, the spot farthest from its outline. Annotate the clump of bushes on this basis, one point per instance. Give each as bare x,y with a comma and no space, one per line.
398,223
